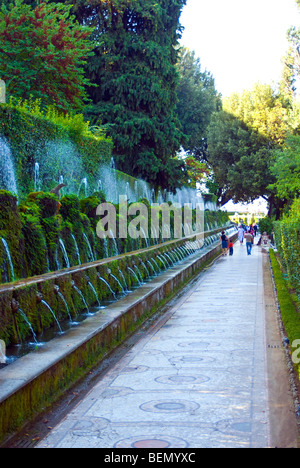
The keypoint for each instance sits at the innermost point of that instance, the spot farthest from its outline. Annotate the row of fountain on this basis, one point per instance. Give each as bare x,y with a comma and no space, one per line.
60,164
57,302
54,269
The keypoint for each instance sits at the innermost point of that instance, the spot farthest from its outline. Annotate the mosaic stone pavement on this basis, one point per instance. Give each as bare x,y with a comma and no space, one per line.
196,380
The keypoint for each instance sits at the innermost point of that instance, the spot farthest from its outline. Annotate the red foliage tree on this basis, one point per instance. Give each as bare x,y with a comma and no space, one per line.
42,54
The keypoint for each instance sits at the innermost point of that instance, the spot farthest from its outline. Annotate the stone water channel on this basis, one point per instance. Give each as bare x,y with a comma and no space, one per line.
138,283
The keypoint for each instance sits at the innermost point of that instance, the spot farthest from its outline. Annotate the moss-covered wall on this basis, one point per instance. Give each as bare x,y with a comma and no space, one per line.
79,287
46,234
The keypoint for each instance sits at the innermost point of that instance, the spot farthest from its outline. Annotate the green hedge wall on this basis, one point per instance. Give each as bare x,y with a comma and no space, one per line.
289,314
287,235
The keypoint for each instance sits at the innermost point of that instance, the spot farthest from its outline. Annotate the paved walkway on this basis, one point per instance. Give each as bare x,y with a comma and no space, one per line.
197,379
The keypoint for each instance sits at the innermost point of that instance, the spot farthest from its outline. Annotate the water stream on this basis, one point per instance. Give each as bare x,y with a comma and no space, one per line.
7,251
25,318
123,278
91,286
118,282
139,274
92,257
81,295
133,273
76,249
54,316
65,303
152,267
107,284
7,171
64,251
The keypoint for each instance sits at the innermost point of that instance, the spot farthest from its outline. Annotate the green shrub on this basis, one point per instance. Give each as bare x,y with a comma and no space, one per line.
266,225
287,235
289,313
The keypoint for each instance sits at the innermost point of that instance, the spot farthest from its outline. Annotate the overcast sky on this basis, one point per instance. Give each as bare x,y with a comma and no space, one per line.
240,42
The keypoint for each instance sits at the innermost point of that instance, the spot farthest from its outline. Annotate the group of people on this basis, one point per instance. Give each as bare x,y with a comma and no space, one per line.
227,244
247,233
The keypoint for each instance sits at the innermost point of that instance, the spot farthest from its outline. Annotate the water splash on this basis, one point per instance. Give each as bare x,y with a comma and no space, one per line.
84,184
7,171
7,251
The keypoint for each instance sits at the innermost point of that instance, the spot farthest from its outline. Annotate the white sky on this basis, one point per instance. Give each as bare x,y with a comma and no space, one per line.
240,42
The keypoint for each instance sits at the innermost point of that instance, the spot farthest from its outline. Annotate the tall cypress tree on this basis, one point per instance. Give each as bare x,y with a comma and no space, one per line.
134,68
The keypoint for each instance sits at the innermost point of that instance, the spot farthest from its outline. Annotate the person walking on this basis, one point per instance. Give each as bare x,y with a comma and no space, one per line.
249,242
241,233
224,240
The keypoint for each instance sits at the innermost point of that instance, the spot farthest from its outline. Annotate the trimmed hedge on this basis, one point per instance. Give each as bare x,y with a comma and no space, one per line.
287,235
289,313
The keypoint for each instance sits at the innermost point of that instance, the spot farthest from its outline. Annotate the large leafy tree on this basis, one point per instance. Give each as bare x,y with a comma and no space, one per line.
198,99
239,159
43,52
134,68
241,141
286,169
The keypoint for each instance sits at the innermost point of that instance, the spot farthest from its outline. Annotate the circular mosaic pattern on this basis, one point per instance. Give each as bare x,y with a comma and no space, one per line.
170,406
197,344
190,360
151,352
86,428
152,442
201,330
181,379
235,426
129,370
112,392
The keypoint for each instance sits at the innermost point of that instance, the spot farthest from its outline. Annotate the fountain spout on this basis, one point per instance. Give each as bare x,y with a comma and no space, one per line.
39,297
14,305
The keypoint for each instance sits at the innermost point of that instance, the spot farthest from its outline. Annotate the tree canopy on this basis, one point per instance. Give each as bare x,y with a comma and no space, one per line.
134,68
197,100
42,54
240,141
